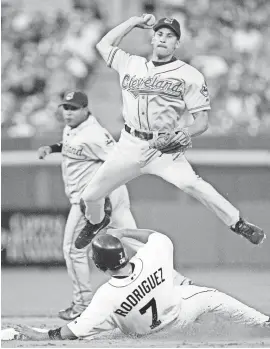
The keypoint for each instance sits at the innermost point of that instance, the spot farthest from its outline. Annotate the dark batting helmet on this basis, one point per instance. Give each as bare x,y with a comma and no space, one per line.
108,253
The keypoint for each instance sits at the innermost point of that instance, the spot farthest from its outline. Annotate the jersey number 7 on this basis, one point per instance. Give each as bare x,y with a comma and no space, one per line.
152,303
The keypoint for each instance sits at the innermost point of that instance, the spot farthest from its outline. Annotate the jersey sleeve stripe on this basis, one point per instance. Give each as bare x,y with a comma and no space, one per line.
201,107
111,56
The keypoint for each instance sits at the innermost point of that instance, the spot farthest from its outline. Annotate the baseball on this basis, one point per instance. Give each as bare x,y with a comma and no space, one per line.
151,21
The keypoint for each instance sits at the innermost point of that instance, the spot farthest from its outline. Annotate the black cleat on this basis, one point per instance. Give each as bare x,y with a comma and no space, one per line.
69,314
250,231
91,230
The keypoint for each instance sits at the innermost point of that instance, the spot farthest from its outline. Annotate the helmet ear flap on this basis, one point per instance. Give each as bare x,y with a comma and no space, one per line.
101,267
108,252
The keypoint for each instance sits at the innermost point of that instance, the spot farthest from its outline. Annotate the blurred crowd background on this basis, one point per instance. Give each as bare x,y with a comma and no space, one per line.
48,50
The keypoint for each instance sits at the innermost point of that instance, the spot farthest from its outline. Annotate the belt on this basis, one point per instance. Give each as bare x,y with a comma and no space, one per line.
140,134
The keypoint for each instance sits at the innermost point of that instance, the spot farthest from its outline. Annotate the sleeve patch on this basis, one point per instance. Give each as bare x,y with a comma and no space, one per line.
204,90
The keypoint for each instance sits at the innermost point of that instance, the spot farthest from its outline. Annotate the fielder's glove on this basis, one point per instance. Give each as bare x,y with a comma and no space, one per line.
176,141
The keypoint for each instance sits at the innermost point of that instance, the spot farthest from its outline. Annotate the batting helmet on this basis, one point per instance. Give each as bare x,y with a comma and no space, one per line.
108,253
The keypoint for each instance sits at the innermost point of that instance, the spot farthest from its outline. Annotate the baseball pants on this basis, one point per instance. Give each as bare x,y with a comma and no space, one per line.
132,157
196,301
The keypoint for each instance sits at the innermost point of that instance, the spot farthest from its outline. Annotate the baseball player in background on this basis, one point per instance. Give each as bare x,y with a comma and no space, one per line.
155,95
140,298
85,146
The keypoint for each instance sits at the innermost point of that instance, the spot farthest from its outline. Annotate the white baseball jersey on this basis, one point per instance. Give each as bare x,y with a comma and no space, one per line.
156,97
84,150
141,303
147,300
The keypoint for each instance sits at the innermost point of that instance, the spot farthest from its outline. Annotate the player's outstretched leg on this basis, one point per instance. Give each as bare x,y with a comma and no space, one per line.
238,312
118,169
90,230
197,301
181,174
208,195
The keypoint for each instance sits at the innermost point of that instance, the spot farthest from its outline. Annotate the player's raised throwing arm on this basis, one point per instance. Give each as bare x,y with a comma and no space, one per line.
114,37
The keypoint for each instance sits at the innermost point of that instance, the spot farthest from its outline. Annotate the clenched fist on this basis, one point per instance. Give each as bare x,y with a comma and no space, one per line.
147,21
44,151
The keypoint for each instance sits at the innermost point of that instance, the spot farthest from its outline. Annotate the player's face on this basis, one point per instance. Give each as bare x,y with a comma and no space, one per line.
74,116
164,42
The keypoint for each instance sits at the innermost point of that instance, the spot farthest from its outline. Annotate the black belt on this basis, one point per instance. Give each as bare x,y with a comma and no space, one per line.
140,134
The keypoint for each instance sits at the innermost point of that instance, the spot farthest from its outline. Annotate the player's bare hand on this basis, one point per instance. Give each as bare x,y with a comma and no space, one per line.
146,21
26,333
44,151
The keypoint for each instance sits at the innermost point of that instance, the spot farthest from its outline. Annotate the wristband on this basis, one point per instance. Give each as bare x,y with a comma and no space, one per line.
55,334
56,148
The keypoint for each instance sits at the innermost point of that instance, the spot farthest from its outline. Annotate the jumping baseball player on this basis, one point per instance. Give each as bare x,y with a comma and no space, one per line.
85,146
140,298
155,95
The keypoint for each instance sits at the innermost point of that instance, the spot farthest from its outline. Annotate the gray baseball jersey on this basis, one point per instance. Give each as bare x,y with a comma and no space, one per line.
156,97
85,148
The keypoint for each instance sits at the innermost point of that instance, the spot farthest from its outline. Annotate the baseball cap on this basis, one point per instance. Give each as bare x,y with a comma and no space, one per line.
75,98
171,23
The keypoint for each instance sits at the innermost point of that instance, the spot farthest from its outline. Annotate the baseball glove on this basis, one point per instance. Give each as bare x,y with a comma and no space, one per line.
176,141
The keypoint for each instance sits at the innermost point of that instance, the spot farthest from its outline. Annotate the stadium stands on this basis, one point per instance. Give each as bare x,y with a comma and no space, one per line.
46,53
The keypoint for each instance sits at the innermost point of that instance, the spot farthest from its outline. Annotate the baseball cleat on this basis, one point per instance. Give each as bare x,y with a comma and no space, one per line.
90,230
69,314
250,231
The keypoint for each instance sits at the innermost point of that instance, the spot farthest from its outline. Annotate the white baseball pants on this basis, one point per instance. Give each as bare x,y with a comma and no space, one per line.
196,301
132,157
192,302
